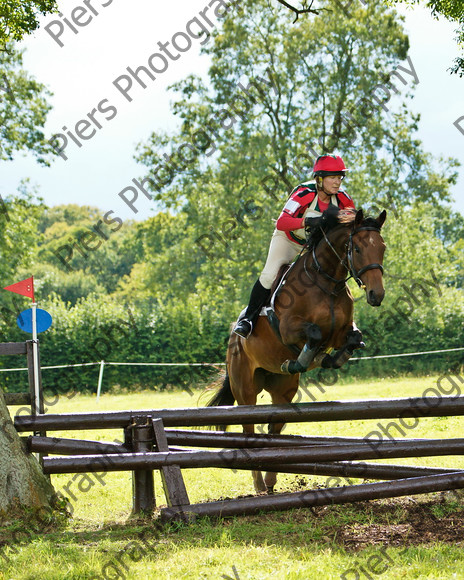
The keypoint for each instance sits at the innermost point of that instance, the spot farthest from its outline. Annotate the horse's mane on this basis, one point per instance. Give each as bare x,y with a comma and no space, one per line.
333,217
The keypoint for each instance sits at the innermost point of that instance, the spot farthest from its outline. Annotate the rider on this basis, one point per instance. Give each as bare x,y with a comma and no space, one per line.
306,200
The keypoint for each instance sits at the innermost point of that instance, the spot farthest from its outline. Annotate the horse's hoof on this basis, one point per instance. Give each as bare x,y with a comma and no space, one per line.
260,487
270,489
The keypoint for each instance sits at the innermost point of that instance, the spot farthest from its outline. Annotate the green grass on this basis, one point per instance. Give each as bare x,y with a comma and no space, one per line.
407,538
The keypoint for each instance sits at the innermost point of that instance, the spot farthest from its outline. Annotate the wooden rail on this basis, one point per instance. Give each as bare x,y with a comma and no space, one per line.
416,407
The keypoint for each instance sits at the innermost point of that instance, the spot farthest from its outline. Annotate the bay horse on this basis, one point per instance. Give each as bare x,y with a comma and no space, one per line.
311,314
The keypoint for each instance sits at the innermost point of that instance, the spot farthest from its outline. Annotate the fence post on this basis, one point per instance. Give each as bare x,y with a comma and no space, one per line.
100,378
143,487
171,476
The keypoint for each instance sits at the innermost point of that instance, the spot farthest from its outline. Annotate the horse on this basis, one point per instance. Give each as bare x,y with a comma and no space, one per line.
310,317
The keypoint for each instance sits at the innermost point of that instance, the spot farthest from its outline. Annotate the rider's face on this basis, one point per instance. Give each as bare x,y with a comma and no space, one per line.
331,183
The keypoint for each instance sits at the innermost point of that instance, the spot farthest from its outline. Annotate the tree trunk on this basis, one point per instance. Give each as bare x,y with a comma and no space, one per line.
22,483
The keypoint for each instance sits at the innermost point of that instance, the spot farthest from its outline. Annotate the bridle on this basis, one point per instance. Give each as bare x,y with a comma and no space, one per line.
356,274
346,262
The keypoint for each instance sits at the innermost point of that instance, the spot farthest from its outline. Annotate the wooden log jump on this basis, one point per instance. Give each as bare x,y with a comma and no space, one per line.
416,407
59,446
253,458
286,453
256,440
310,498
55,445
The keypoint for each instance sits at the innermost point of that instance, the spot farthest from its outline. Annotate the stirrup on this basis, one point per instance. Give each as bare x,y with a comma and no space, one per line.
243,328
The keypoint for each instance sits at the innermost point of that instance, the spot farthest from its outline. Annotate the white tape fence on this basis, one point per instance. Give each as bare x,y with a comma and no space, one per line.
103,363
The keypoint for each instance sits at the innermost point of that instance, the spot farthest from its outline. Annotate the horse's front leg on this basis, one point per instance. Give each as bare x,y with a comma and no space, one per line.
353,341
305,358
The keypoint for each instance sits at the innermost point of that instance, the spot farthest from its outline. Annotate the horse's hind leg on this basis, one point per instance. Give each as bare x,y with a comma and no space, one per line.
282,390
258,480
246,389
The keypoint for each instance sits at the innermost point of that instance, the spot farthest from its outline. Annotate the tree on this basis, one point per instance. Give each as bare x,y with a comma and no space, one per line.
21,17
21,480
22,483
273,102
452,10
103,252
23,110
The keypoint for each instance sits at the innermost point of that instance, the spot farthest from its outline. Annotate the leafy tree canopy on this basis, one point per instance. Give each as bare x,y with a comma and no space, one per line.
452,10
23,110
21,17
273,102
98,265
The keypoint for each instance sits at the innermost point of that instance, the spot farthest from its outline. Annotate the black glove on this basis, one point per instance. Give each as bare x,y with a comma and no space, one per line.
311,223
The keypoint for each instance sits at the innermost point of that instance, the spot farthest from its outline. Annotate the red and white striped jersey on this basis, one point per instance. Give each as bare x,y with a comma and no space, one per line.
302,197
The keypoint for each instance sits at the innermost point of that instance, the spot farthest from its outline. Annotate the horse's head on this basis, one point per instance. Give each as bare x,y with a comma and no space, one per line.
350,242
365,255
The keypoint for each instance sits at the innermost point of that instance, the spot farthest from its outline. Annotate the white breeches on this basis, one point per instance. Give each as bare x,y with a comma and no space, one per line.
281,251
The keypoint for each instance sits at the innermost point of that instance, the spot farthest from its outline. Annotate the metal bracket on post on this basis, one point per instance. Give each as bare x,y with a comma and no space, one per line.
143,488
171,476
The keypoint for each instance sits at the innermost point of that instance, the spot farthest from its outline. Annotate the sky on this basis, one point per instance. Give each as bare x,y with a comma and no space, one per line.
81,66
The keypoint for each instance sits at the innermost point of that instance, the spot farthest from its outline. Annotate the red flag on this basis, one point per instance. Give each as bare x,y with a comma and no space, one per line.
25,287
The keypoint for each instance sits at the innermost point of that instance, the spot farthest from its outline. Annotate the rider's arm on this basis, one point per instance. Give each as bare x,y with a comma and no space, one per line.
286,223
291,217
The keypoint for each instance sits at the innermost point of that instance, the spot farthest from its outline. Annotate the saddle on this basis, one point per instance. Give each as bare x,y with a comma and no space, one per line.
277,285
269,311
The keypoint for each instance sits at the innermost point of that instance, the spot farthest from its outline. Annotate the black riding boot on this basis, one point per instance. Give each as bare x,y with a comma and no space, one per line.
258,298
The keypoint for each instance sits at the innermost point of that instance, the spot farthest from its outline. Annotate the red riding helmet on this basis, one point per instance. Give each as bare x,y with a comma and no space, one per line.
329,165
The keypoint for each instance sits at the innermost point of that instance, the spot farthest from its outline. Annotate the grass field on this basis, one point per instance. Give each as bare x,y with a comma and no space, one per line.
412,537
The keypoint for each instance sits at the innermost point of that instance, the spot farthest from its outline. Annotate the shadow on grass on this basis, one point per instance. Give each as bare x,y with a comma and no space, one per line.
423,520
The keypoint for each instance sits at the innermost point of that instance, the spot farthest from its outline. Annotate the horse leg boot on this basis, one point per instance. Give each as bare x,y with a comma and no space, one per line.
306,356
353,341
259,297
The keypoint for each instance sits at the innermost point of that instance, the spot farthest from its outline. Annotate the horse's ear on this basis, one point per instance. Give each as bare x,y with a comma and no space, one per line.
358,218
381,219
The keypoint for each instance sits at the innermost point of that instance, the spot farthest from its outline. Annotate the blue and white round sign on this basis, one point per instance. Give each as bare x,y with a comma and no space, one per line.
43,318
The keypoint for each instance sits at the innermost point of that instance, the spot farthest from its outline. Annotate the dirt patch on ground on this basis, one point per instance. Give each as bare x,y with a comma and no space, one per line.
405,521
398,522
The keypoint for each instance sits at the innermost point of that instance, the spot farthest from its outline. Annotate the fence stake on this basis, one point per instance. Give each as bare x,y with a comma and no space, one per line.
100,378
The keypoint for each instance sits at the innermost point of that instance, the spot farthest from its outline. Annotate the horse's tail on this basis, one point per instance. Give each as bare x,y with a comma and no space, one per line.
222,398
